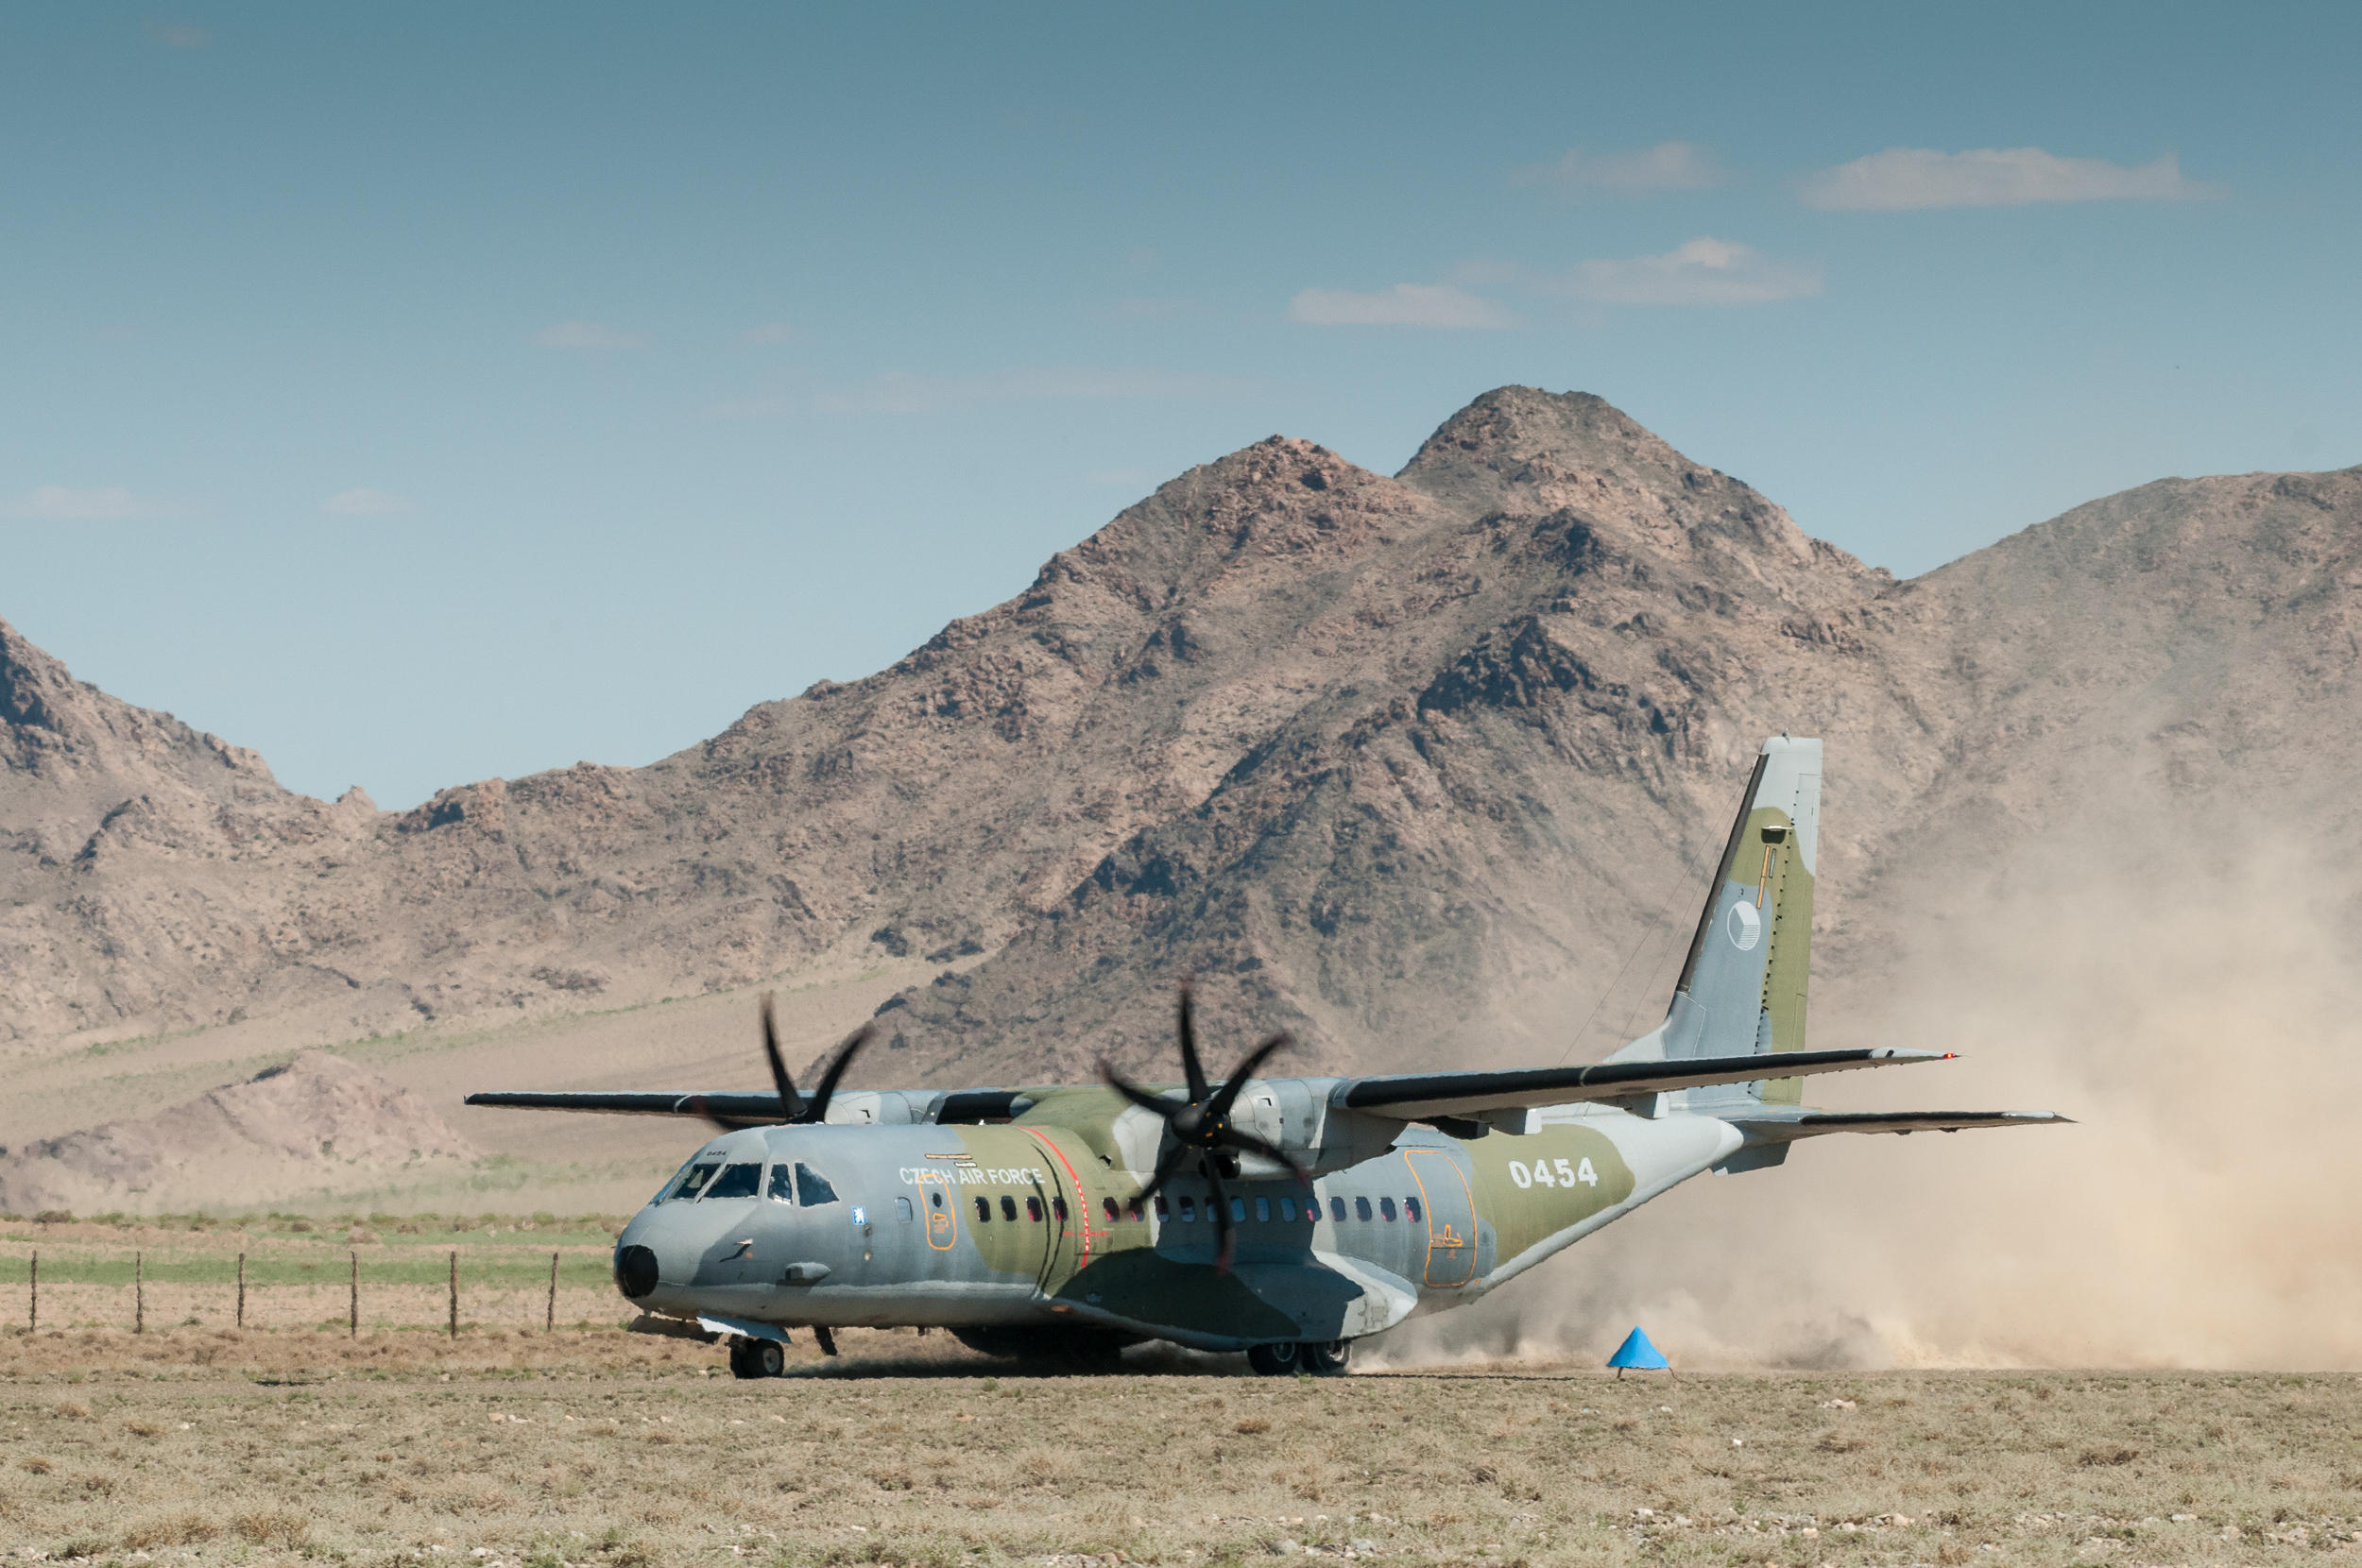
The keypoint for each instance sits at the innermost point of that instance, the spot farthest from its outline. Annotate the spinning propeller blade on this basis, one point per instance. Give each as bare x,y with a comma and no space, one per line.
1200,1125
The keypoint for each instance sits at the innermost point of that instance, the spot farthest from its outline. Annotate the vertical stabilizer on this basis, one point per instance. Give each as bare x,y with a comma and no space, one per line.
1742,986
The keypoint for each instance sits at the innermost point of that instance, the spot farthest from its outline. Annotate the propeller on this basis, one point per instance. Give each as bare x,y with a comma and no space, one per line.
1201,1126
796,1111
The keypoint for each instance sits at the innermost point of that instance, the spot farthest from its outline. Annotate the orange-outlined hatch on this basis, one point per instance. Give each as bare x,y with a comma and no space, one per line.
1451,1253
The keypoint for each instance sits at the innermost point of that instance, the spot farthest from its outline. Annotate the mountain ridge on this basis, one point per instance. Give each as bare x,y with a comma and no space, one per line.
1401,763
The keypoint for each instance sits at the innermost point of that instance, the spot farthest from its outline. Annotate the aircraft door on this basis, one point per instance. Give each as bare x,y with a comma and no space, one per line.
939,1209
1066,1199
1450,1215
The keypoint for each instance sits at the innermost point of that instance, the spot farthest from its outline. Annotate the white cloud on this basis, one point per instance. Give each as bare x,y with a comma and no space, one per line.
1404,305
364,503
1705,271
586,335
60,503
768,334
1904,179
906,393
1667,167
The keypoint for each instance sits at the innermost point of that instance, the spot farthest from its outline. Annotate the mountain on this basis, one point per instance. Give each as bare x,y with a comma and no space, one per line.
1422,768
303,1124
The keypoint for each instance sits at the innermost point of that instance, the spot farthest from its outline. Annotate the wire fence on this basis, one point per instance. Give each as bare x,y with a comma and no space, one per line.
454,1289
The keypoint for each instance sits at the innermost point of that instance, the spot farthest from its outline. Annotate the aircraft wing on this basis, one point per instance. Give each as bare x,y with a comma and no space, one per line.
1417,1096
958,1106
735,1104
1814,1123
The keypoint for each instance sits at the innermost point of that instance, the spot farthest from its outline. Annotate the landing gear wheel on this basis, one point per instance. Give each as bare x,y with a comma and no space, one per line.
1328,1359
757,1358
1273,1360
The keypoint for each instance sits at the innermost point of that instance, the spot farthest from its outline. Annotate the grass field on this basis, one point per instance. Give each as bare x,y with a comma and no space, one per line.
507,1447
182,1271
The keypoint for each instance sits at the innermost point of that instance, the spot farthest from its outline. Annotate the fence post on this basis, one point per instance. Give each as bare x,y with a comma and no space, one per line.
354,1332
33,1312
242,1291
549,1319
139,1292
455,1295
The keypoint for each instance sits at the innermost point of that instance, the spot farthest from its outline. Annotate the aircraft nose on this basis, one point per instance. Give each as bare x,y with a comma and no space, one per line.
635,1271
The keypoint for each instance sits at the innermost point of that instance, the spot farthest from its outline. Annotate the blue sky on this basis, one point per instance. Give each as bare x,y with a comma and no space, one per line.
420,394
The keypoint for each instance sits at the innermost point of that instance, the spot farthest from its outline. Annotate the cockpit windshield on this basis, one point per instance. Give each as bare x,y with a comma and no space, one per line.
737,1181
694,1175
812,1188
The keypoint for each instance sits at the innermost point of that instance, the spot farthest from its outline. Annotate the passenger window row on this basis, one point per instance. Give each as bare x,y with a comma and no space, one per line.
1186,1206
1008,1208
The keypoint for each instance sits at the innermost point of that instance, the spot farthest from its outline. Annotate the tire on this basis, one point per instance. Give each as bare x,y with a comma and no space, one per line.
743,1360
770,1358
1328,1359
1279,1361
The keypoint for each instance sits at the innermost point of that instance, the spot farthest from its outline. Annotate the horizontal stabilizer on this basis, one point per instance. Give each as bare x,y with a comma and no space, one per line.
1812,1124
1417,1096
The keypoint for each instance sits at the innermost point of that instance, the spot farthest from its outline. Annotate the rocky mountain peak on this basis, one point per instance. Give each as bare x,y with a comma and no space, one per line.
1374,757
54,728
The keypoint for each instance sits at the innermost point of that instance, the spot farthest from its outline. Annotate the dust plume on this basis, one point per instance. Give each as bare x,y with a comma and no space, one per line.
2191,996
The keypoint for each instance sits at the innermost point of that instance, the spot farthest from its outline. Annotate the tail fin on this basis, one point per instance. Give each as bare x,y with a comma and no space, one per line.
1742,988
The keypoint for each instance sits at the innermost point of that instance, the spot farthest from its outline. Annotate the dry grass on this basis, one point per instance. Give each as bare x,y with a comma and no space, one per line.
600,1450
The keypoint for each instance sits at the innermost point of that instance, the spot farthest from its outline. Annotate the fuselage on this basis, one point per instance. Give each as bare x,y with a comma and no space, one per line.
1039,1222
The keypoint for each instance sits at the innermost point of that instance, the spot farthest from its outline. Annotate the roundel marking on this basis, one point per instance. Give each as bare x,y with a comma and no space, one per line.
1746,927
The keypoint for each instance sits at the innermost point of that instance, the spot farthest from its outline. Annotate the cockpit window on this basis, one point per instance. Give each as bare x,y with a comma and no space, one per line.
736,1181
812,1188
783,1182
691,1177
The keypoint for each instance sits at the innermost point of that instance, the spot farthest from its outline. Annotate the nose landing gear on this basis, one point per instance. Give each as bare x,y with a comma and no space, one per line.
758,1358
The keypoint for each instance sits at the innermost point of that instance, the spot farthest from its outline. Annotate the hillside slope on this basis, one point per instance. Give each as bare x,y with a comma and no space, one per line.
1410,765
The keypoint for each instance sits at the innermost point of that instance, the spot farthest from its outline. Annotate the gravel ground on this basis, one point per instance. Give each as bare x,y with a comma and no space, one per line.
588,1448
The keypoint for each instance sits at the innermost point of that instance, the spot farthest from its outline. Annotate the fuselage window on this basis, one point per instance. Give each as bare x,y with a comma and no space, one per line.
984,1211
1008,1207
1238,1208
1033,1209
1360,1208
1386,1208
1411,1210
934,1199
1336,1210
902,1206
1163,1211
688,1182
737,1181
1287,1208
783,1182
1107,1207
1189,1207
1262,1208
1057,1206
1133,1208
812,1188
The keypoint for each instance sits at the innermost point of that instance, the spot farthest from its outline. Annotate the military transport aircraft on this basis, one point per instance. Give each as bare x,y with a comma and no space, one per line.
1282,1216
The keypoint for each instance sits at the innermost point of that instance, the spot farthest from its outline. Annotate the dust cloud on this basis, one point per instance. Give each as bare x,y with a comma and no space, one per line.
2192,998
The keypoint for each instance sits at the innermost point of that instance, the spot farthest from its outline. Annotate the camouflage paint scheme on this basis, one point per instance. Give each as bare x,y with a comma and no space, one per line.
1425,1191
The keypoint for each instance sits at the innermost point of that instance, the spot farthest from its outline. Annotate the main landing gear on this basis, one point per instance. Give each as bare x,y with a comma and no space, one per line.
1320,1358
758,1358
